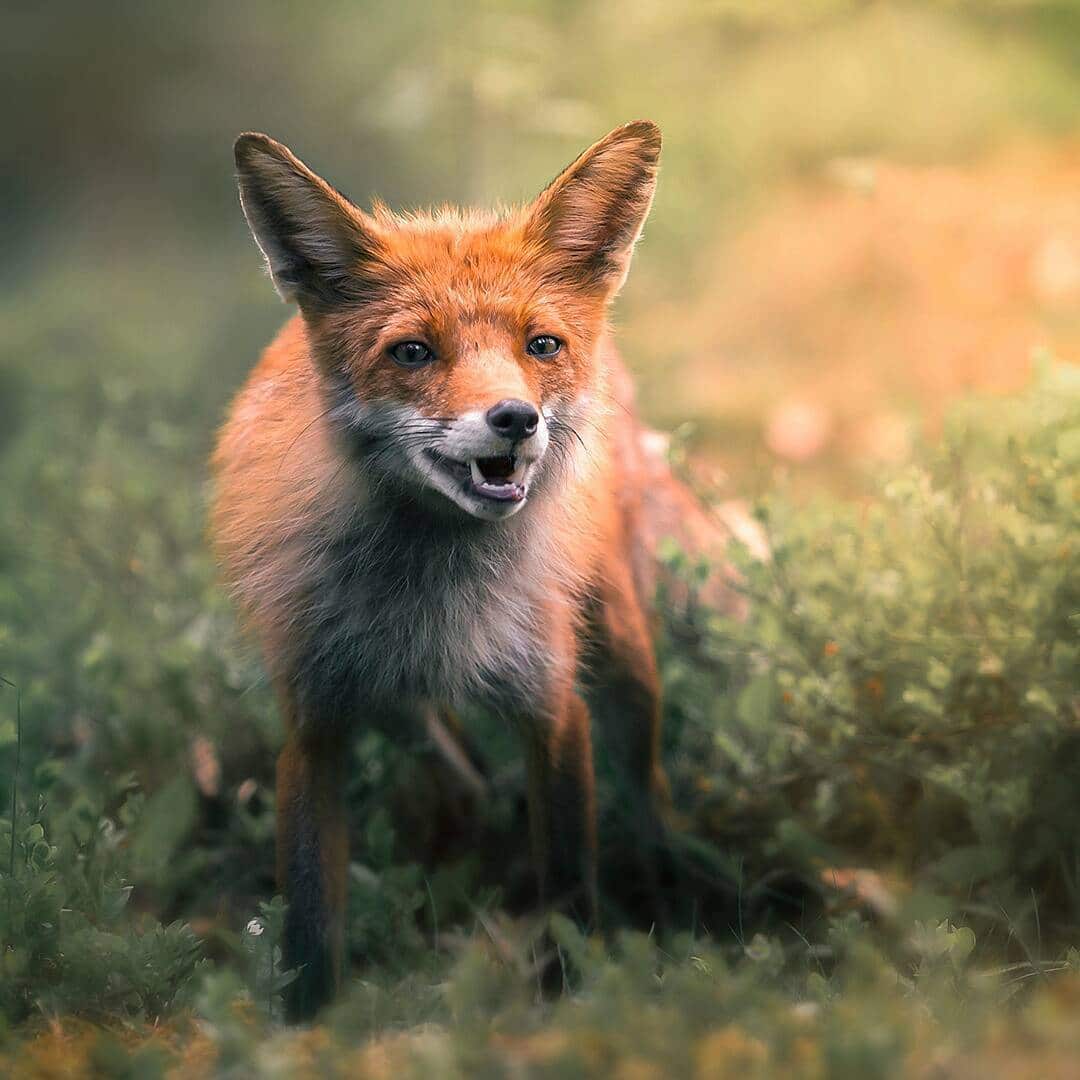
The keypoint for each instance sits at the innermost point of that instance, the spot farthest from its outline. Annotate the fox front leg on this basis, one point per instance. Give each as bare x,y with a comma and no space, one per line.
312,866
562,810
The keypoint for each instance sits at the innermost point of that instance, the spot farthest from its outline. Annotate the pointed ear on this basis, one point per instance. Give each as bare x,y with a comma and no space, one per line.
590,216
317,244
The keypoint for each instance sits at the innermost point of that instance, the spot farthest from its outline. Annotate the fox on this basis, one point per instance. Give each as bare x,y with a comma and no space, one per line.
434,491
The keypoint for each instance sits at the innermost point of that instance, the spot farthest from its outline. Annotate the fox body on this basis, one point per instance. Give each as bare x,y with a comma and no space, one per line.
433,489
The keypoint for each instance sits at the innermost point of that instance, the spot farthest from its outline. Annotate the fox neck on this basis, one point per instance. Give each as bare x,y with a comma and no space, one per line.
405,603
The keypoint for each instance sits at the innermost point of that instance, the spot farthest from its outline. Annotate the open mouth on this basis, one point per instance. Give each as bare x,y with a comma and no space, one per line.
501,479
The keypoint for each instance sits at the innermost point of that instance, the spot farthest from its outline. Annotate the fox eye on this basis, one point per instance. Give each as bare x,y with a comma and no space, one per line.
545,345
412,354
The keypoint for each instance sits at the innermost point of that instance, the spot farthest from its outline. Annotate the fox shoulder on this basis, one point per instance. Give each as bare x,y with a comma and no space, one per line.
277,473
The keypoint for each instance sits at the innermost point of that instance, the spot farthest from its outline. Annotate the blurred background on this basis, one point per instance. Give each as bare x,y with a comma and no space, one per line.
865,206
866,209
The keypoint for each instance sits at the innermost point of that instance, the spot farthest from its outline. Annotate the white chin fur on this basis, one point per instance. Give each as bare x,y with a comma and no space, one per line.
484,508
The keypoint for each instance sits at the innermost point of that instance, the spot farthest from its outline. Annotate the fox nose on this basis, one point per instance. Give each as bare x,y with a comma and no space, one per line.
512,419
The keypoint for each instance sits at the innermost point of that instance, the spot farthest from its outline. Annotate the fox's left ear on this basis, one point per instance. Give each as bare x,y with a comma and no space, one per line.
591,214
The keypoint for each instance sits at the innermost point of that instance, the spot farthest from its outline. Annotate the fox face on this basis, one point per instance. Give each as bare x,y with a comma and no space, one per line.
457,351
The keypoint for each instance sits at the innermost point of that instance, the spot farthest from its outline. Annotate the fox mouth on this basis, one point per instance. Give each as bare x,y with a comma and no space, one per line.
500,479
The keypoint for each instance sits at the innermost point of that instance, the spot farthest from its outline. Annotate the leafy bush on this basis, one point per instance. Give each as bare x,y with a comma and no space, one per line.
67,946
907,692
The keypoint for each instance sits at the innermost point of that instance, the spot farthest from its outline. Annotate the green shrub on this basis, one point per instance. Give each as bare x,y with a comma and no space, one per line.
68,945
906,683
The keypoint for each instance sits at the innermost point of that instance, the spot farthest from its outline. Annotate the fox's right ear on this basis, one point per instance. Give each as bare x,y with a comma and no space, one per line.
317,244
592,213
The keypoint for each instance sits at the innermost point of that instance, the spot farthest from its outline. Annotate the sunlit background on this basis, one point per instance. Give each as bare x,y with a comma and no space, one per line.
864,207
865,211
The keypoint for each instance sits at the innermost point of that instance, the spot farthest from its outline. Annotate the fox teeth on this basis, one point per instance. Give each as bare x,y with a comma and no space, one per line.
477,475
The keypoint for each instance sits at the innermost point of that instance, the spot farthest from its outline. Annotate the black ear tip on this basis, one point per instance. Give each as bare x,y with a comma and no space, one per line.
250,143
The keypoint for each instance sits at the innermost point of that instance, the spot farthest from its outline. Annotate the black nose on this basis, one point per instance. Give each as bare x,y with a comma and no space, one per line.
513,420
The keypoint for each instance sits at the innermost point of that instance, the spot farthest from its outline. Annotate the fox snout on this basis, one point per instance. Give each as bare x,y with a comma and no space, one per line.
486,459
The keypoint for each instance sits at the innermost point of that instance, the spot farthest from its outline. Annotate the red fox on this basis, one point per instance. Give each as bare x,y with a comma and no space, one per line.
433,490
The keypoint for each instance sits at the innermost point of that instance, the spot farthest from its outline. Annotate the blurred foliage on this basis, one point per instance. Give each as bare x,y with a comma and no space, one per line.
885,745
67,947
132,108
639,1011
906,682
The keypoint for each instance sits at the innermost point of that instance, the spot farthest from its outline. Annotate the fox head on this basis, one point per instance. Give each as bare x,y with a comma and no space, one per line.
458,350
